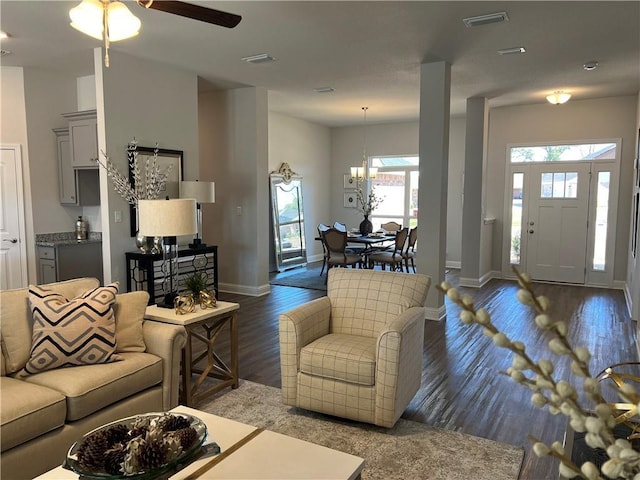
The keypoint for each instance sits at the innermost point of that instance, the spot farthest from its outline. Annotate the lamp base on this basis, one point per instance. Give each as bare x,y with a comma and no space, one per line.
197,243
168,300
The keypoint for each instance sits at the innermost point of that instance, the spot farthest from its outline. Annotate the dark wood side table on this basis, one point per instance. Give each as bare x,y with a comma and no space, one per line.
204,325
144,269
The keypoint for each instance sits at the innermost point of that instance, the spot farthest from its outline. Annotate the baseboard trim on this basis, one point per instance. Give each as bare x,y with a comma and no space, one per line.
453,264
479,282
627,298
435,314
245,289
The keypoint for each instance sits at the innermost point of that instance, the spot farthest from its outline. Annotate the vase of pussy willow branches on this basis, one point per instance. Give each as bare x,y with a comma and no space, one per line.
599,421
145,182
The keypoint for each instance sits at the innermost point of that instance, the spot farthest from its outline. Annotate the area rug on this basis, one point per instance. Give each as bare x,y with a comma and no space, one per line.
409,450
305,277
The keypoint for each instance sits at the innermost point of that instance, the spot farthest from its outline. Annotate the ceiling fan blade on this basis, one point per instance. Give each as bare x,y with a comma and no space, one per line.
196,12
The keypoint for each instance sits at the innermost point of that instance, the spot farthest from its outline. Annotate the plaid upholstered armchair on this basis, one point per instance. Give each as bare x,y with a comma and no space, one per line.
356,353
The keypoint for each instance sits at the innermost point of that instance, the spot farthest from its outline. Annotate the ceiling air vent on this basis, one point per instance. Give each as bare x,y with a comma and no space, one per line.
486,19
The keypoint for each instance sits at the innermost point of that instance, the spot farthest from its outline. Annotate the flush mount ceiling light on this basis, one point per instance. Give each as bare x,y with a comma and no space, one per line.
324,89
260,58
3,35
486,19
590,65
512,51
109,19
558,97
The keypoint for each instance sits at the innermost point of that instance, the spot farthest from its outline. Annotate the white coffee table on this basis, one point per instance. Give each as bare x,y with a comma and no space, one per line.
268,455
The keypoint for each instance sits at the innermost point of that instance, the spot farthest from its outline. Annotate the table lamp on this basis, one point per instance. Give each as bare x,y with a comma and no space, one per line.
168,219
202,192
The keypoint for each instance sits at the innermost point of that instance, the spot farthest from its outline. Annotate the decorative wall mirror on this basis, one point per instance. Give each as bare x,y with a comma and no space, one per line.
288,218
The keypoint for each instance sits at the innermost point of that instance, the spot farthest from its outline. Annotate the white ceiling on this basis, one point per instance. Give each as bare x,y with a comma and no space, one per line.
369,52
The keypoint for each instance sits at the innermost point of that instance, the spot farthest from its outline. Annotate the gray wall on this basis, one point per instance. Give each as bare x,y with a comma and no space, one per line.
306,147
129,107
234,141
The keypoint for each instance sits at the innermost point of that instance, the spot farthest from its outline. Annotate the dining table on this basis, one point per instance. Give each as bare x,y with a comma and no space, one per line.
372,242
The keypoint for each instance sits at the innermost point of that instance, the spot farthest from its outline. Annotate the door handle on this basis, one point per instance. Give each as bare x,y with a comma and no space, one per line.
531,223
530,231
12,240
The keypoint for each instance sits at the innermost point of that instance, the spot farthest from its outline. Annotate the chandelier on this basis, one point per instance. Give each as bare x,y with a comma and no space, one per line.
364,172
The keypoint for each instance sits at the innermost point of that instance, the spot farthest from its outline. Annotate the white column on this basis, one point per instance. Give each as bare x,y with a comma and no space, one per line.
472,208
435,86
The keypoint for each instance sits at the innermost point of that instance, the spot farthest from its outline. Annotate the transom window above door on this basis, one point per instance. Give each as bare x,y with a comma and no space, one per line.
564,153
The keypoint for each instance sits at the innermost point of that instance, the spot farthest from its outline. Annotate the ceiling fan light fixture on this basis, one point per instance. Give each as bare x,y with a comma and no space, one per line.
87,18
478,20
558,97
122,23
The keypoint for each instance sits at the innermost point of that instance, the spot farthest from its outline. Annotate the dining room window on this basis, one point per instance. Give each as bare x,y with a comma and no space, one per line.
397,183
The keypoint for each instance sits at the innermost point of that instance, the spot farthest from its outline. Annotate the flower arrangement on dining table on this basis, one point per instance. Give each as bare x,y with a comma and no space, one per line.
367,203
559,396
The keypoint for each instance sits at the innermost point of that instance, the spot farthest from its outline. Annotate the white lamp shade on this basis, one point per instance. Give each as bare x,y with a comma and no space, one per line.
167,218
202,192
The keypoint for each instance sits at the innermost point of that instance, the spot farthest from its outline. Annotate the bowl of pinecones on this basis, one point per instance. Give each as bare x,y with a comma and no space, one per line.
142,446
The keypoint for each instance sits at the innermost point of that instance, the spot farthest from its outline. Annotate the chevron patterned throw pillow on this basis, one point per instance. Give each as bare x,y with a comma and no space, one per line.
80,331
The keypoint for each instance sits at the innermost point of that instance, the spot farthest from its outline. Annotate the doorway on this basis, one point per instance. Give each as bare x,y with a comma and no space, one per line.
560,212
13,253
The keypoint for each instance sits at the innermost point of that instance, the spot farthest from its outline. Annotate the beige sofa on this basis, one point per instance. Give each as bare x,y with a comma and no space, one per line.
43,414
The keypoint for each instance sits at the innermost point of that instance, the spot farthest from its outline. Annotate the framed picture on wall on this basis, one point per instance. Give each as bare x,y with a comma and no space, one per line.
349,182
169,161
350,200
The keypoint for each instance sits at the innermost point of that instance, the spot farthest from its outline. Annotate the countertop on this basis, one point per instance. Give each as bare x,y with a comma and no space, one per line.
65,238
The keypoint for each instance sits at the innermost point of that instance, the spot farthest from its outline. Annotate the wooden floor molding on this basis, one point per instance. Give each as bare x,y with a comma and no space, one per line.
462,388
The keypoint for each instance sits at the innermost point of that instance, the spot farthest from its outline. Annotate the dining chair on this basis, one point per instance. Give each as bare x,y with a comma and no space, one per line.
393,258
391,226
409,253
356,250
337,255
323,228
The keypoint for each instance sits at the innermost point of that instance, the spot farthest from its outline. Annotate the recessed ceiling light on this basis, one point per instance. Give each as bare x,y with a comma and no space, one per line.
590,65
486,19
324,89
512,50
260,58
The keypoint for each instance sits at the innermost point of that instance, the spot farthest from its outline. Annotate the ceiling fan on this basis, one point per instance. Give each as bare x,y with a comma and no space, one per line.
111,20
196,12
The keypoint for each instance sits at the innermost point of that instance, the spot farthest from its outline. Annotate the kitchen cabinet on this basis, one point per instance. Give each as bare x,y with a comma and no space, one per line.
77,186
83,138
68,260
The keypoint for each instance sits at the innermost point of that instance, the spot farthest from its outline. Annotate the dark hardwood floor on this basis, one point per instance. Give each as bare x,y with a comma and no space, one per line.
462,385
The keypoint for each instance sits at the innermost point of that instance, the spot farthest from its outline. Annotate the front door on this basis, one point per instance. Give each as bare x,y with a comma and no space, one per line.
556,227
13,260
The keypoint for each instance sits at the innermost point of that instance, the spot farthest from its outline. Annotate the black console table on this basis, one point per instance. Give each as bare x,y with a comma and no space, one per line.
144,270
